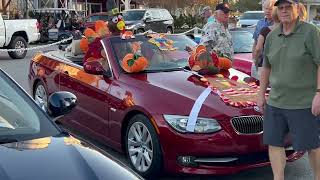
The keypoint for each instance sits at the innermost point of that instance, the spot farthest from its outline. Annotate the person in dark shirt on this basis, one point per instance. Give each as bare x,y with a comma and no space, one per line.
261,40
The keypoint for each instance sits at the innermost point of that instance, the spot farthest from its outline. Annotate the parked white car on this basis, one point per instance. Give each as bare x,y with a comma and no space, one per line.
18,33
250,18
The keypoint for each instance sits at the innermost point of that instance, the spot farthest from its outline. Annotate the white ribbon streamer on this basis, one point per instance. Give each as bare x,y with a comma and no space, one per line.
192,120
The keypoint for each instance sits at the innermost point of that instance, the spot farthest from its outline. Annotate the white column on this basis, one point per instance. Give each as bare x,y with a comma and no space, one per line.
56,4
36,4
70,4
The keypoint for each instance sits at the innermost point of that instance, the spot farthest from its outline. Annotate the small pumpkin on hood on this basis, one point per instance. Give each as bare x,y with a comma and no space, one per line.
134,63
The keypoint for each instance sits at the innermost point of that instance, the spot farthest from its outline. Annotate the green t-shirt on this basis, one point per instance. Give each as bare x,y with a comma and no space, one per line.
293,60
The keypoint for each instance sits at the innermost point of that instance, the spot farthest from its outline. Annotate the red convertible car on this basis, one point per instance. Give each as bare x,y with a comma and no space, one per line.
145,114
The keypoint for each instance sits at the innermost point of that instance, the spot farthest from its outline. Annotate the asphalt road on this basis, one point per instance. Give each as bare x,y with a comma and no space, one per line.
298,170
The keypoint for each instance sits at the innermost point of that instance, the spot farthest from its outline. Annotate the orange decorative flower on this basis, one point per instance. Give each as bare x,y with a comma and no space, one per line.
90,34
101,28
84,45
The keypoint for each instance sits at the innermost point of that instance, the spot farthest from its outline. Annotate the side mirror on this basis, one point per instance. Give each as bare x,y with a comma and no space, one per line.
93,67
147,19
61,103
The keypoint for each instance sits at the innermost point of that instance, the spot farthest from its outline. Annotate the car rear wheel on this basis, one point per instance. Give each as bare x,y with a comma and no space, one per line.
143,147
40,95
18,42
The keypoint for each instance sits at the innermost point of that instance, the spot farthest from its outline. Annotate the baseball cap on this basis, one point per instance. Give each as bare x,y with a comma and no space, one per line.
223,7
206,8
282,1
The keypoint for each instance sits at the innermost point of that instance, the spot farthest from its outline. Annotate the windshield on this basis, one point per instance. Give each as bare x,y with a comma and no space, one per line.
133,15
20,118
159,60
242,41
256,16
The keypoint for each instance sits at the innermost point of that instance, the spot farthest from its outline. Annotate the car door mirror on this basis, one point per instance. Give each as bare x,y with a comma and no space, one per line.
61,103
93,67
147,19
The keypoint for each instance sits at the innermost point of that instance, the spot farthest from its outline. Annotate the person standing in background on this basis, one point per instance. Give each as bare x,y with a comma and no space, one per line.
267,7
216,36
261,41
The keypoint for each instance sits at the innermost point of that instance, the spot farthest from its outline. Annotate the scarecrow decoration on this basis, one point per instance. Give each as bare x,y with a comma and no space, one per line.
91,43
205,63
231,91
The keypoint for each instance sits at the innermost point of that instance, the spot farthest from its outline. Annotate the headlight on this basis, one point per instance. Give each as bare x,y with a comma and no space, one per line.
238,24
203,125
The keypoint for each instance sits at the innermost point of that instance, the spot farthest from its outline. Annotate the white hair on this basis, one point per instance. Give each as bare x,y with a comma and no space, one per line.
268,3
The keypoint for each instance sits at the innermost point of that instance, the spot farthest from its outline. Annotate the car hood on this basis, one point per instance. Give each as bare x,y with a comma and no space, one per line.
133,22
248,21
243,56
176,92
57,158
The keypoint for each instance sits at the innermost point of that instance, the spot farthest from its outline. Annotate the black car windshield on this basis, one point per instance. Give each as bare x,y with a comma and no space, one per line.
20,118
133,15
159,58
242,41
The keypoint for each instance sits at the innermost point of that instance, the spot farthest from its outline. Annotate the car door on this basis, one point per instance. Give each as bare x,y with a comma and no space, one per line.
91,113
155,23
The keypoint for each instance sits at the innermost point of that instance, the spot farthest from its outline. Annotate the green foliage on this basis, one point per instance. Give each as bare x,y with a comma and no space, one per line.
247,5
179,21
190,20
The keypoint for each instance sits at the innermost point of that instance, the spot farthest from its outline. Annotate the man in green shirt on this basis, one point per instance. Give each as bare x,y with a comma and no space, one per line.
291,68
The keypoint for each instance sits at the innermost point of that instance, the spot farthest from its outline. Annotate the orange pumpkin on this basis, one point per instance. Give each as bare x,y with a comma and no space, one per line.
134,63
200,48
224,63
84,45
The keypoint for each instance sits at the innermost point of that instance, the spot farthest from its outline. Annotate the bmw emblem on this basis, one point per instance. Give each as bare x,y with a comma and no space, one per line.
256,108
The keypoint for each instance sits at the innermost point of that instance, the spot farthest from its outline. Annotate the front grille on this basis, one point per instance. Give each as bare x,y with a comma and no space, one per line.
248,124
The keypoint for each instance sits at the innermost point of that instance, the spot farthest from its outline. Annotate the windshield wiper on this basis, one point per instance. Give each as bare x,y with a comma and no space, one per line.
5,140
243,52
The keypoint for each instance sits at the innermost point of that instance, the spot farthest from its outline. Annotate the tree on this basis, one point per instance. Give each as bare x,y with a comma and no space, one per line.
246,5
5,4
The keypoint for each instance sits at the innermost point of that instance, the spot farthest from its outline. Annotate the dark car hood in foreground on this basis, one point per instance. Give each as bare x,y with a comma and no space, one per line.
176,92
62,158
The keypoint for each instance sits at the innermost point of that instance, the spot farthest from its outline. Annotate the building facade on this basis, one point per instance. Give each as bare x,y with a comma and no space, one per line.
313,9
87,6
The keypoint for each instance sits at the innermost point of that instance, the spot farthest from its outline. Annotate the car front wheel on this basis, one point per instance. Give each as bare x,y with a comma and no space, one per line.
40,95
143,147
18,42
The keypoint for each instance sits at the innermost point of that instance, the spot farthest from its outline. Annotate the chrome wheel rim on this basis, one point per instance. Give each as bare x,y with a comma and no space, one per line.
41,97
20,45
140,146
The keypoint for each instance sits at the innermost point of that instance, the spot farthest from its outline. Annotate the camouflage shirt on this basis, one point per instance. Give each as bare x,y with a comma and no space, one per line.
217,39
